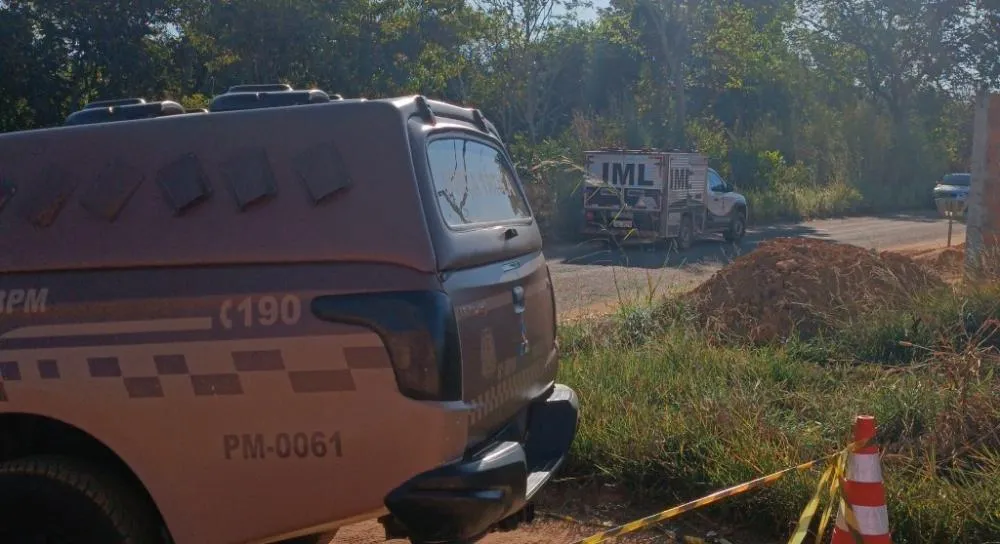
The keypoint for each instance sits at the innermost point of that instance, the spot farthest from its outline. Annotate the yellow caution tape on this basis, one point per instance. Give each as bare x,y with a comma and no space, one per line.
830,479
810,510
830,475
834,477
840,469
638,524
852,521
570,519
562,517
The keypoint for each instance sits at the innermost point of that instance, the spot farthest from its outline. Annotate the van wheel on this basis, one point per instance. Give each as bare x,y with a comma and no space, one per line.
685,239
737,229
56,500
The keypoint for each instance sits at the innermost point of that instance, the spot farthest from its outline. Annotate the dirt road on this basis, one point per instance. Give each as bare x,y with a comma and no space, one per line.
590,277
590,510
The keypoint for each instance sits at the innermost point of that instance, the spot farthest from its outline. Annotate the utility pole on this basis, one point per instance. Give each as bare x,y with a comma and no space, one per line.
982,233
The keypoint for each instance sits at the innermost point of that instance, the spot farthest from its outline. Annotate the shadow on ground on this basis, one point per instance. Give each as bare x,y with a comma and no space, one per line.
916,216
709,251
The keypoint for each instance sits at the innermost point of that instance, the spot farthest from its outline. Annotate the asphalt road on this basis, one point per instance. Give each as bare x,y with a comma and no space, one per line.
590,277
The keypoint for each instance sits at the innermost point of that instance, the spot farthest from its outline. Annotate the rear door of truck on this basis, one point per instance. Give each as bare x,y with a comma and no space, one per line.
619,184
633,177
489,251
686,178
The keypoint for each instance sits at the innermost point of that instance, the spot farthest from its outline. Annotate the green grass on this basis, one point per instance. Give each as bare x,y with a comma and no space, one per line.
800,203
674,415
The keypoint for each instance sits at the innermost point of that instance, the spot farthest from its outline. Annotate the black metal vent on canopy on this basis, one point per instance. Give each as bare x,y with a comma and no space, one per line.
50,195
323,171
250,177
7,192
183,183
111,190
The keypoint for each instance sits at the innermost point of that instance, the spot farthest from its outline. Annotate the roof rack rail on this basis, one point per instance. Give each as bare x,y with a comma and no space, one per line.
123,110
480,120
248,97
114,102
260,88
424,109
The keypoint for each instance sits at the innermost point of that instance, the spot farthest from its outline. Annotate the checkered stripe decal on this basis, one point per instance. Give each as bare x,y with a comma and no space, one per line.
503,392
214,384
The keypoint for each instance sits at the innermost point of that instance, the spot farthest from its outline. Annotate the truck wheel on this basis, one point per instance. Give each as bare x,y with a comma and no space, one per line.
737,229
57,500
685,239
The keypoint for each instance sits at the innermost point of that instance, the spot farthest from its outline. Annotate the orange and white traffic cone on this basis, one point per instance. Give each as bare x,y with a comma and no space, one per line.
863,491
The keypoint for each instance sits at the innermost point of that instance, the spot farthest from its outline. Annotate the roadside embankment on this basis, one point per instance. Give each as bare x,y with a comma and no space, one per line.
672,409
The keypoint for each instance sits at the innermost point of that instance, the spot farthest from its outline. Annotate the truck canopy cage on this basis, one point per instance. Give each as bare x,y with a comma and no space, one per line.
267,174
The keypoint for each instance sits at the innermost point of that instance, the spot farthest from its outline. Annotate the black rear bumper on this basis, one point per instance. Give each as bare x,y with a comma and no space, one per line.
464,500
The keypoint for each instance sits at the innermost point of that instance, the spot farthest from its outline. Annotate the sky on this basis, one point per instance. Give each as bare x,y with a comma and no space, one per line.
590,14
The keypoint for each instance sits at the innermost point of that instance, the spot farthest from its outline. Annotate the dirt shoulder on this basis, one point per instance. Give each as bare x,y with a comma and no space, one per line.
568,512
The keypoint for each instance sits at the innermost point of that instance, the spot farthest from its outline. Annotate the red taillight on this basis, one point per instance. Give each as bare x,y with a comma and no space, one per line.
418,329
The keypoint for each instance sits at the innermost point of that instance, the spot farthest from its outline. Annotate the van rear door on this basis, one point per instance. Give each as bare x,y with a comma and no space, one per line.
489,251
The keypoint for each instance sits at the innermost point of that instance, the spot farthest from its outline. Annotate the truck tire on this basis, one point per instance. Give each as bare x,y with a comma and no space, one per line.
737,229
685,238
58,500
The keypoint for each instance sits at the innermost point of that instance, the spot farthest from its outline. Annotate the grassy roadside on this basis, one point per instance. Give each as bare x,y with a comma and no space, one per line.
673,414
783,203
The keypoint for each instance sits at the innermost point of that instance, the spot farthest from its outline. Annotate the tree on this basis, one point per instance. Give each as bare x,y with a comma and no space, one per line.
74,52
521,61
784,95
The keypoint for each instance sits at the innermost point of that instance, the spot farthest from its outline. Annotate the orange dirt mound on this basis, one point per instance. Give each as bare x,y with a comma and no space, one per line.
804,286
950,259
947,262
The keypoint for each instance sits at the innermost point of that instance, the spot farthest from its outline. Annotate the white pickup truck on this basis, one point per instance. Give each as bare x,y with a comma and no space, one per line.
654,197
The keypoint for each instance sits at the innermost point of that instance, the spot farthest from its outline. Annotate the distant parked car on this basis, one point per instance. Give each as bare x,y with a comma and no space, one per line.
953,186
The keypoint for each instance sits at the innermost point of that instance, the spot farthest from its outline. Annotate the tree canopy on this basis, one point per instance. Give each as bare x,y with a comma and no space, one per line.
865,96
